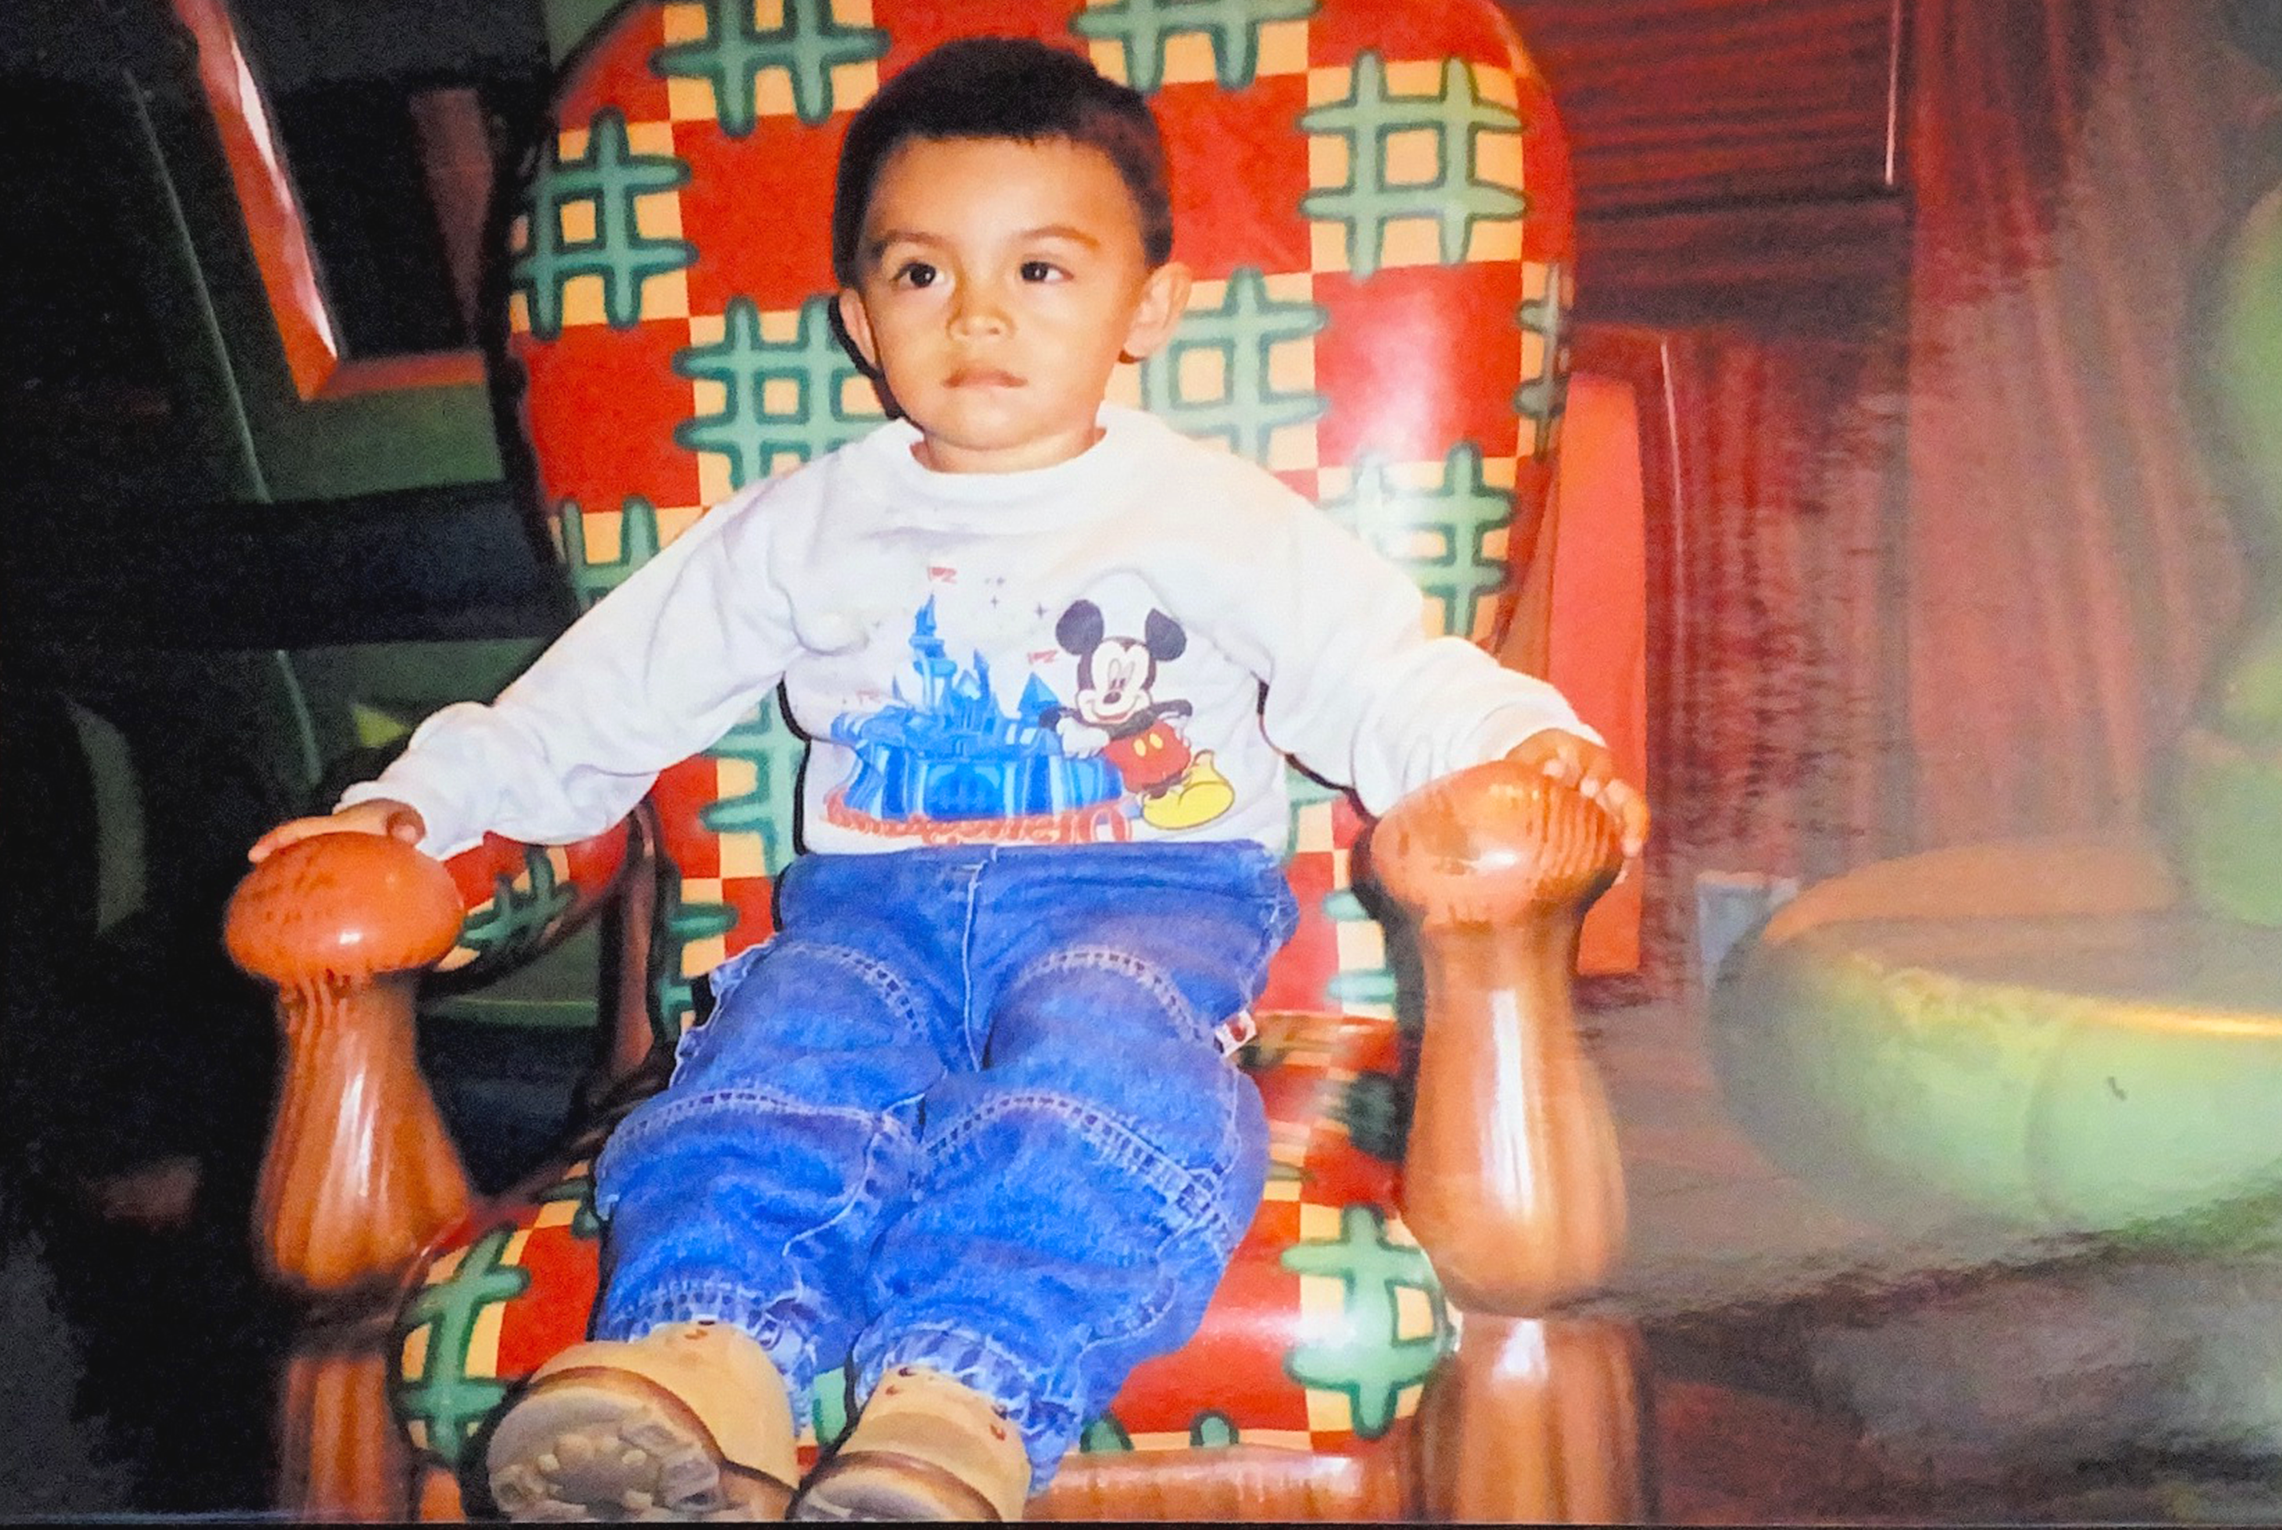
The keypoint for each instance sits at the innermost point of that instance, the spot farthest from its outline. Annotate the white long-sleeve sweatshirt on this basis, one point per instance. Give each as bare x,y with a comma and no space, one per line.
1120,646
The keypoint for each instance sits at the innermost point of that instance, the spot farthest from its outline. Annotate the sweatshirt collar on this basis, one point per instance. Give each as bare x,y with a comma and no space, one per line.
1093,480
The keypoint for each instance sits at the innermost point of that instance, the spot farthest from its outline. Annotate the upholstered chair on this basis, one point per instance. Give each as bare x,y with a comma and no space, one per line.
1375,197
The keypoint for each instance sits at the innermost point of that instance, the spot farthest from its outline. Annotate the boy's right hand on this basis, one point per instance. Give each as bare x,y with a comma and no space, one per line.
1578,761
377,815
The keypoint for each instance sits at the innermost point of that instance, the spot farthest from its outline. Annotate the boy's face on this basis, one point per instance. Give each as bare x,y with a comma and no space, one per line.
999,282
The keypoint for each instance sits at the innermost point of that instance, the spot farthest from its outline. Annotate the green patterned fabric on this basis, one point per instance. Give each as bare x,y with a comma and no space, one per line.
1369,1359
673,999
451,1404
754,437
1143,27
1542,399
774,751
1248,408
519,918
605,181
1368,117
807,44
637,544
1459,569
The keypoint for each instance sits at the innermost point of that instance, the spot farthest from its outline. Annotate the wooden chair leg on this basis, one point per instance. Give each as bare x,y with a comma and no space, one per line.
339,1453
1535,1421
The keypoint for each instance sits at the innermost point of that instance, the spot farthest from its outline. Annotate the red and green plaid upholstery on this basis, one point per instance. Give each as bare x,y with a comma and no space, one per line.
1375,198
521,898
1319,1338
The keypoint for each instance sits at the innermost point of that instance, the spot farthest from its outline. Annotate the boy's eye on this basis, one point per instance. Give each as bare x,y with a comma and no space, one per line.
914,273
1040,271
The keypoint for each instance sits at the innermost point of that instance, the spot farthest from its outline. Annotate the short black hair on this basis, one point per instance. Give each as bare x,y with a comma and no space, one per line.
1002,87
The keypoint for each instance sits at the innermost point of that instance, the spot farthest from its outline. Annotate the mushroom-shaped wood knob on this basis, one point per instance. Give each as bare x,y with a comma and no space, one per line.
1489,844
1512,1180
360,1173
343,907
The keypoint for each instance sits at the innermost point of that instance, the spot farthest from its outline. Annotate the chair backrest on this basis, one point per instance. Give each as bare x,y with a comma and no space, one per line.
1375,197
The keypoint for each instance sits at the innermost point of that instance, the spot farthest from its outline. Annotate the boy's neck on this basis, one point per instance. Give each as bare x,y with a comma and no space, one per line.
939,456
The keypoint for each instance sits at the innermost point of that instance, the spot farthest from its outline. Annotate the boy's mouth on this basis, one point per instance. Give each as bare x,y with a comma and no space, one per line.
984,377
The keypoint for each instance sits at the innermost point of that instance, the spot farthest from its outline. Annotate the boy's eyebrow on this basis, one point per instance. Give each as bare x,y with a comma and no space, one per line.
1061,231
888,236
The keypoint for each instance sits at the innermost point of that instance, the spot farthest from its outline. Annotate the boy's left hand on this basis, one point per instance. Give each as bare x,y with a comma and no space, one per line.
1591,769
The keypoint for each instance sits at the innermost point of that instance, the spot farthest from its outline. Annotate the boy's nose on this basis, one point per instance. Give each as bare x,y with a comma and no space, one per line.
977,312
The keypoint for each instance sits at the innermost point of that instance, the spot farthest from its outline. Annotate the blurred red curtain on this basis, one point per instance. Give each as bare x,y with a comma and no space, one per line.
2071,573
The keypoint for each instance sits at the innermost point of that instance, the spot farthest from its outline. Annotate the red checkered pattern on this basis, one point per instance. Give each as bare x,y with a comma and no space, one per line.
1238,1368
500,869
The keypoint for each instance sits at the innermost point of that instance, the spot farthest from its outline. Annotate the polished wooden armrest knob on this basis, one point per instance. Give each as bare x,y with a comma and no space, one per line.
1489,844
1512,1181
360,1172
342,907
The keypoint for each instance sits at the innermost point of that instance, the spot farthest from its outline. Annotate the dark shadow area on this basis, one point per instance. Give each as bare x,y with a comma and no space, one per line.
137,1087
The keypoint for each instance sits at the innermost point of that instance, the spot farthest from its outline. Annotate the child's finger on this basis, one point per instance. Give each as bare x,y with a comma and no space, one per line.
275,840
1562,764
1596,773
1623,802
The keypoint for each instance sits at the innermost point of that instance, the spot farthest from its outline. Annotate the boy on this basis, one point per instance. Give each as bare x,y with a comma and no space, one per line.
967,1120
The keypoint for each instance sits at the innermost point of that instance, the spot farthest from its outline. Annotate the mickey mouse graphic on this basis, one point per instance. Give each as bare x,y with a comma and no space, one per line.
1118,717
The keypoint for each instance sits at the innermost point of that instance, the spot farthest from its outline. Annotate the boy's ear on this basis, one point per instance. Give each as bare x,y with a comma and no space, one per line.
1164,298
858,325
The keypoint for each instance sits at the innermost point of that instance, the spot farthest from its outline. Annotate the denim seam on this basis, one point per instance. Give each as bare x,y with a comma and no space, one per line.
968,1357
1146,1313
1282,922
1179,1188
967,1035
639,1128
878,975
1142,1314
1012,1364
1148,975
874,974
888,1132
672,1301
760,1318
678,1301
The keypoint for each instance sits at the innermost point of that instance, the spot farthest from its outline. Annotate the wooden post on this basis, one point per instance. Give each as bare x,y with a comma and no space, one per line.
1513,1183
360,1173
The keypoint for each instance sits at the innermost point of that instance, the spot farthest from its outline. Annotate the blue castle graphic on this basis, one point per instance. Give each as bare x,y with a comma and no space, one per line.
952,754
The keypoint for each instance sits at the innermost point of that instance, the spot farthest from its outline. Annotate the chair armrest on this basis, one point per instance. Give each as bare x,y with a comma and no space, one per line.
359,1173
522,900
1512,1182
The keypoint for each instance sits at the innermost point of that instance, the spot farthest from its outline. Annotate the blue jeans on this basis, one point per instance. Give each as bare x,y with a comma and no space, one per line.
967,1110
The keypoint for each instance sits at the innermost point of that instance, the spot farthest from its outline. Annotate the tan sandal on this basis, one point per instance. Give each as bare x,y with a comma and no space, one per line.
688,1422
926,1447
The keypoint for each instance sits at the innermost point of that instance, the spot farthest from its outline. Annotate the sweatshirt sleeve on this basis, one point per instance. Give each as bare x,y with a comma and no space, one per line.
1355,688
661,667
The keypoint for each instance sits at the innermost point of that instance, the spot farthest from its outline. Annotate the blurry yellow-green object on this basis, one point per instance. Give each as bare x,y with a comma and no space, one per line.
2042,1031
2074,1035
2230,794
